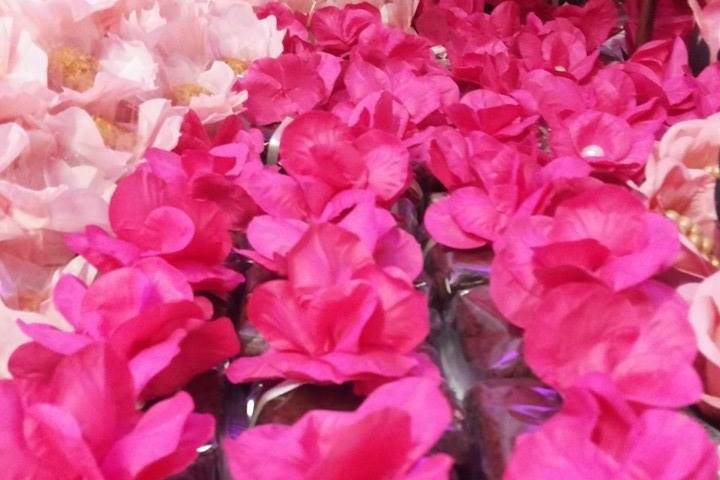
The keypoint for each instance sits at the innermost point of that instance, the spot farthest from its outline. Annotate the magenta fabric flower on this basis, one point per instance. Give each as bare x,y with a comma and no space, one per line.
289,85
388,436
582,233
488,183
557,46
598,436
502,116
421,93
337,318
597,19
605,141
336,30
78,419
326,156
211,169
355,210
640,338
154,218
147,313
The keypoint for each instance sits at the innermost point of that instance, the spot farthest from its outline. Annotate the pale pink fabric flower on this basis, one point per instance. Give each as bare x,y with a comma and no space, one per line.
680,182
704,316
23,72
237,35
707,18
388,436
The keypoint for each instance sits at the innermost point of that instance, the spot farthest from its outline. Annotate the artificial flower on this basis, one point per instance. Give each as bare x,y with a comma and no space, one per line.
386,437
326,156
355,210
153,218
288,85
597,435
606,142
640,338
601,233
338,317
680,181
704,315
78,419
147,314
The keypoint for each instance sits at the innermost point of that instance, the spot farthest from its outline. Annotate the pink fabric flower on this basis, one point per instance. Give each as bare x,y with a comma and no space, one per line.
148,314
668,59
680,178
273,237
586,233
640,338
598,436
152,218
211,169
79,420
704,316
326,156
596,19
337,318
386,437
502,116
336,30
290,85
420,94
556,46
494,179
606,142
707,18
672,18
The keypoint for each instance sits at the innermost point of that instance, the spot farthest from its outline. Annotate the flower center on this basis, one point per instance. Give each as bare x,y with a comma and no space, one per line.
560,68
182,94
592,151
71,68
113,136
238,66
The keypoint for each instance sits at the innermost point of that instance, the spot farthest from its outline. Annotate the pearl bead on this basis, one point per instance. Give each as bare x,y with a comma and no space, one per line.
592,151
696,239
715,262
684,223
560,68
695,229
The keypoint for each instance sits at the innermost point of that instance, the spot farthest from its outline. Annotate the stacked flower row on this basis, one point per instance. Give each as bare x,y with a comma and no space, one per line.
588,174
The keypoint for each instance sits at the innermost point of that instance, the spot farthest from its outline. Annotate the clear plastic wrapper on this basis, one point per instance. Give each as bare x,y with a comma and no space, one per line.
491,345
498,410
